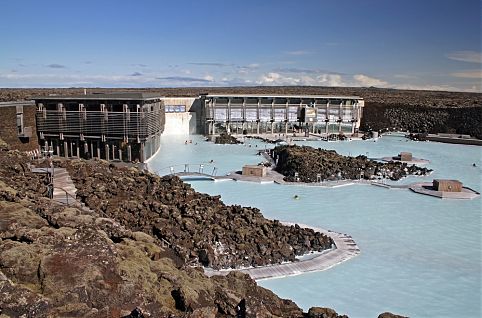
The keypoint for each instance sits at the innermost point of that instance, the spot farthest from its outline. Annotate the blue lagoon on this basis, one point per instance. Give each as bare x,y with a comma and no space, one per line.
420,256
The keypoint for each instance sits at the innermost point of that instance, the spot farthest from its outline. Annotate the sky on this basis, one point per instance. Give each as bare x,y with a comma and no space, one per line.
409,44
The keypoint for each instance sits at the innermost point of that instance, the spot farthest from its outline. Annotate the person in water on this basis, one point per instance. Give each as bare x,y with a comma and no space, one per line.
296,197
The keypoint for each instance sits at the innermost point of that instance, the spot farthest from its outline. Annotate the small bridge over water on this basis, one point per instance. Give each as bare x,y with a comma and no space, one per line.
191,170
193,175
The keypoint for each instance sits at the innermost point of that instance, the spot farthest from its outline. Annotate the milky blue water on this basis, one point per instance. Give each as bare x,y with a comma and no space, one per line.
420,255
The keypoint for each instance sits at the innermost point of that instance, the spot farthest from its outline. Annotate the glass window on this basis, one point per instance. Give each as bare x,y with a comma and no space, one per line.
20,123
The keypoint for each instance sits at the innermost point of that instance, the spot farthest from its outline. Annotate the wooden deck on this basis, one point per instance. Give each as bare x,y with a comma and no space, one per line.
426,188
345,249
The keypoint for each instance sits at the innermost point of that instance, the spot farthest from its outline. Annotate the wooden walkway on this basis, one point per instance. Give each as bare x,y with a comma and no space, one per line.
187,174
64,191
345,249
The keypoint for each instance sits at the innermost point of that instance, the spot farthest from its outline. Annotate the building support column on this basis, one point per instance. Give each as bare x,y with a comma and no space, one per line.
129,153
120,154
113,152
98,149
77,148
327,128
257,127
107,152
142,152
66,150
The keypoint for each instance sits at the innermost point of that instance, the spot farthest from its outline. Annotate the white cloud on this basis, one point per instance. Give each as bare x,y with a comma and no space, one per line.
468,74
429,87
274,78
246,69
404,76
270,78
364,80
66,80
330,80
465,56
298,52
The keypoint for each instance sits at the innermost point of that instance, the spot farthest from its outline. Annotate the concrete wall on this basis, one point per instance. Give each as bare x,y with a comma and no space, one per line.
192,105
186,101
8,127
180,124
257,171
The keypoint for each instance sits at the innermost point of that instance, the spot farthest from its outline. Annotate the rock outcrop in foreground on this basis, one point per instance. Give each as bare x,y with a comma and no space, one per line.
199,227
58,261
308,162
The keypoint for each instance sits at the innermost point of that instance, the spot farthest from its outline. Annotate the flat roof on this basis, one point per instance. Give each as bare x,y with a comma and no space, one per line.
17,103
283,96
111,96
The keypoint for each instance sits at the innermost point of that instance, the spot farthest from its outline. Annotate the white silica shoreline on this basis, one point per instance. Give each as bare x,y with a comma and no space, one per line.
344,250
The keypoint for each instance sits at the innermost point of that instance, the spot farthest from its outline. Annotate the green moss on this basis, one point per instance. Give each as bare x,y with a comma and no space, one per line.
13,212
3,145
136,266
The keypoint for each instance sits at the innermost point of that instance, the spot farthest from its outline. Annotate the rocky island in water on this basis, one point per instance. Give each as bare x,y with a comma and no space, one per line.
314,165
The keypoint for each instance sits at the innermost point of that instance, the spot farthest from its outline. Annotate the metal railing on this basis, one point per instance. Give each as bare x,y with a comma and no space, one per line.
99,123
198,168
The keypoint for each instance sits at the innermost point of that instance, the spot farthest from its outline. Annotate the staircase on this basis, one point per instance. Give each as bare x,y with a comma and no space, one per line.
64,188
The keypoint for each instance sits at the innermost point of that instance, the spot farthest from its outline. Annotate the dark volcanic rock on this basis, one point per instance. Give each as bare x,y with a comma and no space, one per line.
423,119
308,162
390,315
319,312
226,139
199,227
58,261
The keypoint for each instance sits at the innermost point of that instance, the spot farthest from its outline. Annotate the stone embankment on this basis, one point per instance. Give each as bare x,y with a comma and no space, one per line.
344,249
307,164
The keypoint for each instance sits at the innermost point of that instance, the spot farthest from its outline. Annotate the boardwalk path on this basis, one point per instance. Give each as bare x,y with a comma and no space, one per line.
64,188
346,249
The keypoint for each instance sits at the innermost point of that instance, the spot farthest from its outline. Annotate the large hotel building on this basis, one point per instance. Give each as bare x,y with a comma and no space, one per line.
128,126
